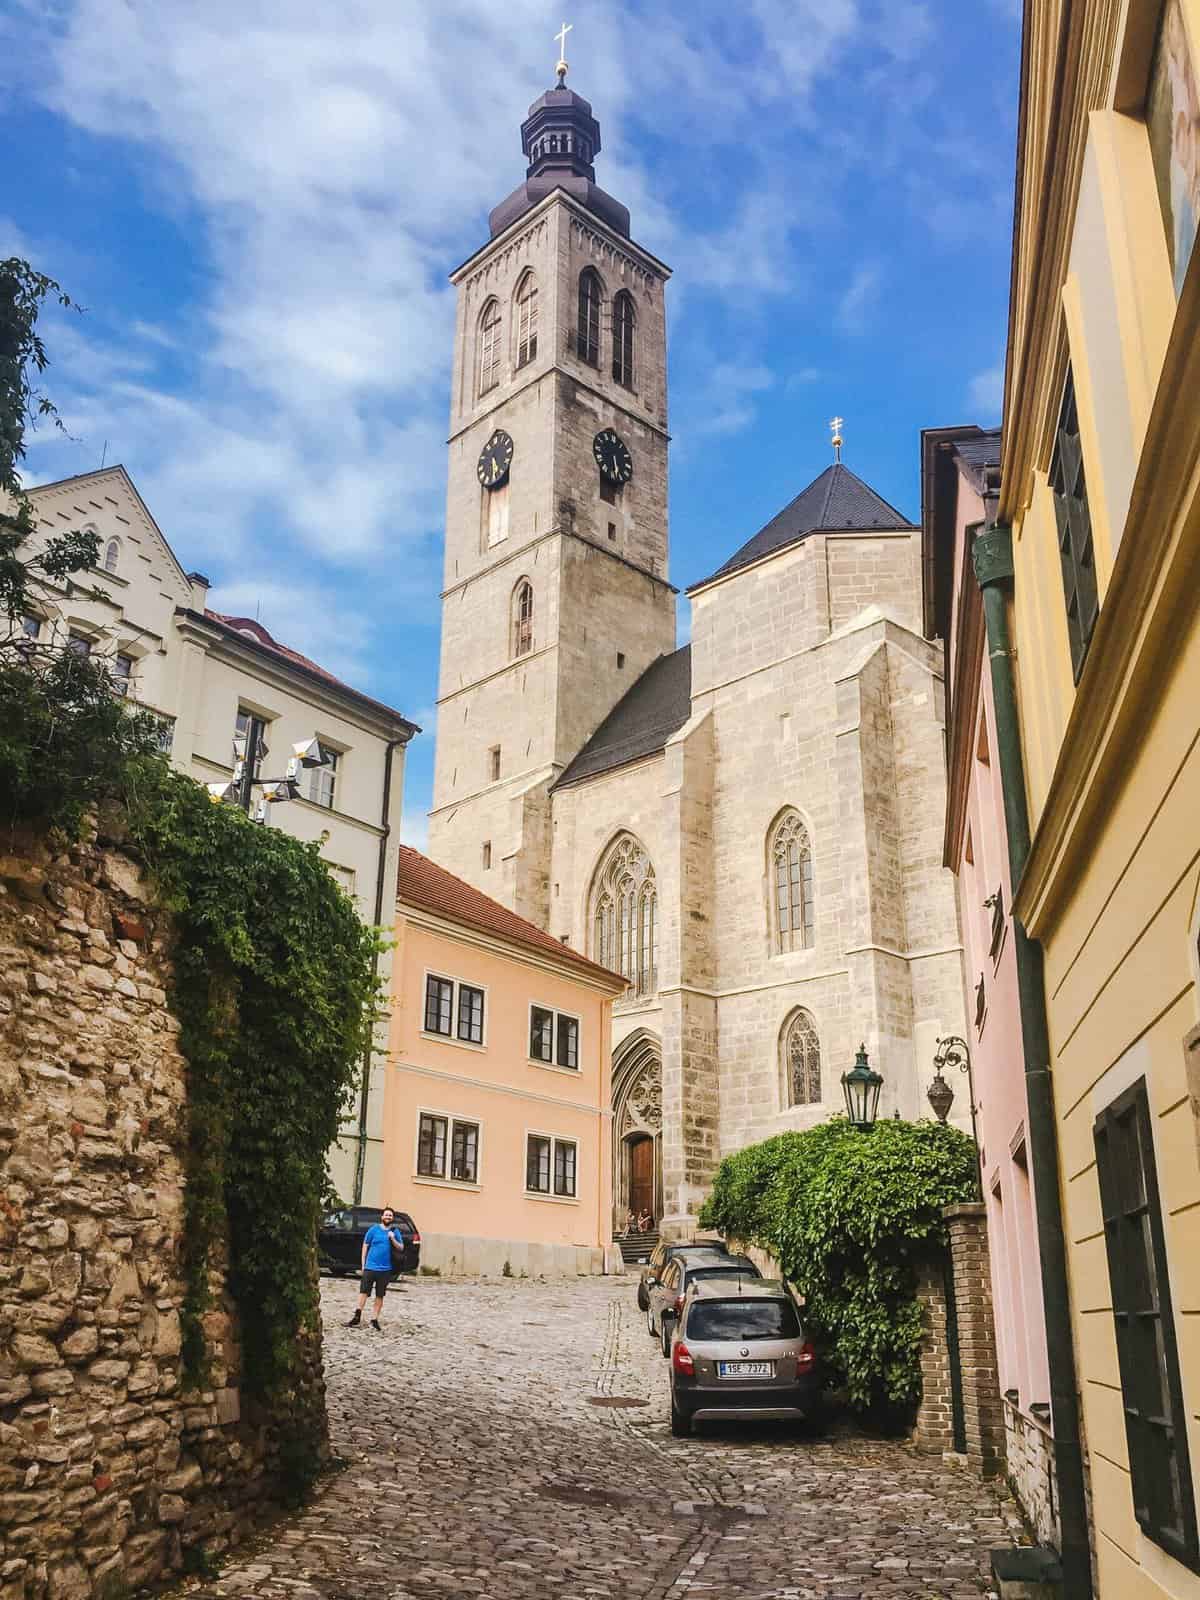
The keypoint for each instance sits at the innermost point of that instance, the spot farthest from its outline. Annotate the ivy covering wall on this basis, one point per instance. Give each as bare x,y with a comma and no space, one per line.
849,1215
275,994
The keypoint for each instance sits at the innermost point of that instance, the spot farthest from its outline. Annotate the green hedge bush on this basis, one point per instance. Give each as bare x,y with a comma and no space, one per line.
848,1215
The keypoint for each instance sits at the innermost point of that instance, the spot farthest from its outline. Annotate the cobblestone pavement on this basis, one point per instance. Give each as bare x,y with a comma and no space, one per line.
479,1465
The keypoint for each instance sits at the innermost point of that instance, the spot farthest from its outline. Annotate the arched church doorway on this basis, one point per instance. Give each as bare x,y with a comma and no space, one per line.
637,1129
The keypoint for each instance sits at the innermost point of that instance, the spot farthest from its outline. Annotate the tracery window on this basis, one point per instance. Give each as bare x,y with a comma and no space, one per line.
623,323
527,319
522,618
625,915
587,334
489,347
801,1060
790,864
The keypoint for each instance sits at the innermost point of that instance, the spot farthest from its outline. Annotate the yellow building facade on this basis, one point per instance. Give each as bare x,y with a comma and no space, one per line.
1101,489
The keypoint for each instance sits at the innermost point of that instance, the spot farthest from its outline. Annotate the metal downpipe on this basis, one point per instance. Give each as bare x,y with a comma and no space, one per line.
992,558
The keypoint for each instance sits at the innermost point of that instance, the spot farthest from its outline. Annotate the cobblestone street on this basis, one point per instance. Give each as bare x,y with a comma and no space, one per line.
482,1464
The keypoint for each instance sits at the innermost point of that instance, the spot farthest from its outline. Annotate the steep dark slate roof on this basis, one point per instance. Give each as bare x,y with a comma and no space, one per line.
981,452
836,501
640,724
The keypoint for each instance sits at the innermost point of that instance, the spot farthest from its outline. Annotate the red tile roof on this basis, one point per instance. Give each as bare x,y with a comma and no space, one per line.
421,882
248,627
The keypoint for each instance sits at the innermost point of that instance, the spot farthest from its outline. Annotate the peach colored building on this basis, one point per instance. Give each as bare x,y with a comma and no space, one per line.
498,1102
959,467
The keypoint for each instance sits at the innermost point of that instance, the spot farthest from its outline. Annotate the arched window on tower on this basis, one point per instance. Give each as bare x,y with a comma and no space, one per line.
489,347
527,319
789,862
623,324
587,334
800,1050
624,915
522,618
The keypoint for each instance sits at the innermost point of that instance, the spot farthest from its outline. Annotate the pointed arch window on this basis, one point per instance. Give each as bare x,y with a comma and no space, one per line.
625,915
527,319
587,334
112,555
489,347
624,319
801,1049
790,863
522,618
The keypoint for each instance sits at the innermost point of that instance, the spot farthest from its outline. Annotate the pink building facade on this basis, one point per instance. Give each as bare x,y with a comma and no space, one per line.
957,465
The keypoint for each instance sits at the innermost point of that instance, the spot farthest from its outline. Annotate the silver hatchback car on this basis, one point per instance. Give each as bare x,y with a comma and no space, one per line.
741,1354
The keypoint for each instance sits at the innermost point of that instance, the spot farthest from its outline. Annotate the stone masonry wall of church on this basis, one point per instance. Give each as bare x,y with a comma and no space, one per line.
543,709
875,570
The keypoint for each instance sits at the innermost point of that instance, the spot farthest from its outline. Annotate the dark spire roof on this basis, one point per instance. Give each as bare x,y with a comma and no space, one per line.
560,138
837,501
640,723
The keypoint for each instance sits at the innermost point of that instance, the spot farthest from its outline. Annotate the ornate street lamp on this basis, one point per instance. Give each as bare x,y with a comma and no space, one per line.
952,1052
861,1087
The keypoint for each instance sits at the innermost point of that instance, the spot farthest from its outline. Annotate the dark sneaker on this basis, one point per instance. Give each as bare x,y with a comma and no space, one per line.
355,1320
375,1326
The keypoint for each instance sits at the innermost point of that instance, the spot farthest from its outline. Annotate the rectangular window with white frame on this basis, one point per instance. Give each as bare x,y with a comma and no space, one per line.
553,1038
447,1148
551,1166
322,781
455,1010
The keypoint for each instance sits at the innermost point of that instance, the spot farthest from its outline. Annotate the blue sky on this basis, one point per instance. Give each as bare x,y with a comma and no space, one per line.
258,205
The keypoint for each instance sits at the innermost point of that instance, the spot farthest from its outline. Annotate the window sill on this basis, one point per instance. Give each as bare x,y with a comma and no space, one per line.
553,1199
446,1183
553,1066
463,1044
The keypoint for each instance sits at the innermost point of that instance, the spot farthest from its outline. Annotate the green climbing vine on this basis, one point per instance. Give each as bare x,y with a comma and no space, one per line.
848,1216
276,1000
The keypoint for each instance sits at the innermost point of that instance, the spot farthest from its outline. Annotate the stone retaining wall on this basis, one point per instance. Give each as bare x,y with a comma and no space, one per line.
109,1468
453,1255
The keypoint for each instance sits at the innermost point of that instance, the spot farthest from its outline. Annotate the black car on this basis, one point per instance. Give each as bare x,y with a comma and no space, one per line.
340,1240
666,1251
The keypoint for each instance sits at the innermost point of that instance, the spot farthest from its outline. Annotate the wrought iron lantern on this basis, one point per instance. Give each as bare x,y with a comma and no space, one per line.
861,1086
941,1096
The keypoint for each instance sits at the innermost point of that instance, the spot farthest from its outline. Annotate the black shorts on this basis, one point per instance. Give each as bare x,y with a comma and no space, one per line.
376,1281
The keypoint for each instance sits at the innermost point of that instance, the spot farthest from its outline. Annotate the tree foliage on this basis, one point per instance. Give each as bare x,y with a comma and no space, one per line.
849,1215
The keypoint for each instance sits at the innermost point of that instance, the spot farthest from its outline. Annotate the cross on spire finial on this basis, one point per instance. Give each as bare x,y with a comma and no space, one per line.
561,36
835,425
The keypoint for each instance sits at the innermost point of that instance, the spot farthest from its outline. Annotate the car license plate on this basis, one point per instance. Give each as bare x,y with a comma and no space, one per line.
745,1369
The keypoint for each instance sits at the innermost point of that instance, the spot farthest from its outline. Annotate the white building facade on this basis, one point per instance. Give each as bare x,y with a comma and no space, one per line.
748,828
206,676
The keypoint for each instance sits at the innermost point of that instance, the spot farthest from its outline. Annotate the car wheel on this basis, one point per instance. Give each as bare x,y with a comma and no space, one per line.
641,1295
666,1337
650,1322
681,1423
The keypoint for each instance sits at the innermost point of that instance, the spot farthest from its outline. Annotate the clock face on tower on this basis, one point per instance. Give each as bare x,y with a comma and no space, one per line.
494,460
612,456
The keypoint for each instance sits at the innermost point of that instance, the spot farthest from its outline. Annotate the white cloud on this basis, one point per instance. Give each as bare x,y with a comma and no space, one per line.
985,393
858,299
725,404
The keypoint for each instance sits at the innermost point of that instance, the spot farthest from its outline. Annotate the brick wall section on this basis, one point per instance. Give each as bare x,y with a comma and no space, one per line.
983,1410
109,1469
933,1431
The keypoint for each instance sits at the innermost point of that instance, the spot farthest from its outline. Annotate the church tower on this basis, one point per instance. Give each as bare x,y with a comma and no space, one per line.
555,595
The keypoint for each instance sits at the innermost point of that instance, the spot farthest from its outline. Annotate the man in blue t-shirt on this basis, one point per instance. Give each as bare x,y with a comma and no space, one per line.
377,1266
